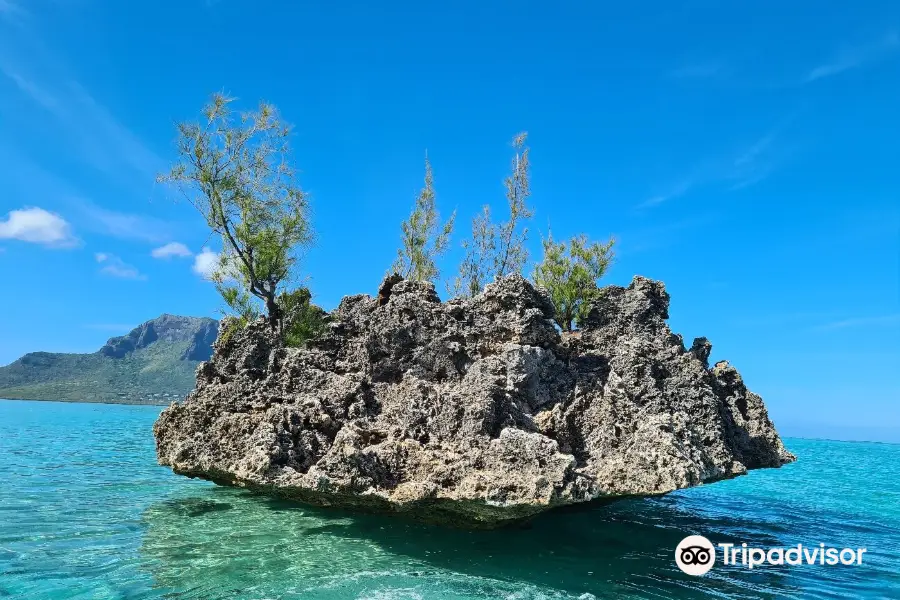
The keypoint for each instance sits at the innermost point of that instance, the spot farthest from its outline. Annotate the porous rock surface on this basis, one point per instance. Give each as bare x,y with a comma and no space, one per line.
472,412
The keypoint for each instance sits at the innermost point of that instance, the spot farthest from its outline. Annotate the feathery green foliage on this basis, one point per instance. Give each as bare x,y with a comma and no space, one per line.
423,238
496,250
475,270
303,320
235,169
239,301
569,273
511,251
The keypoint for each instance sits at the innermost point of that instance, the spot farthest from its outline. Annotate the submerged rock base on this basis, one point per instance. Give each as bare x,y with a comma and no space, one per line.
472,412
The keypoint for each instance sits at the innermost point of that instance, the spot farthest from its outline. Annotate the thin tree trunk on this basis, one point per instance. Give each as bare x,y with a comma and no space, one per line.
274,312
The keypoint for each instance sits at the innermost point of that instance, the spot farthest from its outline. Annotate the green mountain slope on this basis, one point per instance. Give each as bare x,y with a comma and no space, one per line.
153,364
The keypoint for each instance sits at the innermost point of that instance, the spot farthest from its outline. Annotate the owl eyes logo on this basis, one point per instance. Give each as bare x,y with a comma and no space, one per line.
695,555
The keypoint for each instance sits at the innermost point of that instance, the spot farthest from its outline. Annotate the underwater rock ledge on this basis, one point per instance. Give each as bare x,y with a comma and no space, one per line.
472,412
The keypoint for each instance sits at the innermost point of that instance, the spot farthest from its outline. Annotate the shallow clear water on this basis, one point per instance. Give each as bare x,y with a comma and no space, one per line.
85,512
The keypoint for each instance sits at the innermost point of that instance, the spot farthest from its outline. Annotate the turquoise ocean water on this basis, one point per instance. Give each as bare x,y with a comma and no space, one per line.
85,512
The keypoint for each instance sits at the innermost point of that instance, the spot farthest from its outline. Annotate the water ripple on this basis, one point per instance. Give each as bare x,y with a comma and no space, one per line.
85,513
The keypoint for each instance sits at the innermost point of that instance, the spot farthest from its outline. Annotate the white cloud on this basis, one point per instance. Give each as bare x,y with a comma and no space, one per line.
25,178
853,57
55,108
172,249
209,262
37,226
206,263
116,267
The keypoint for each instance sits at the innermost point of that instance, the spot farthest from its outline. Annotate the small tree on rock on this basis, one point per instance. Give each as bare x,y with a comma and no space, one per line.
511,251
235,169
498,250
475,269
423,238
303,320
569,273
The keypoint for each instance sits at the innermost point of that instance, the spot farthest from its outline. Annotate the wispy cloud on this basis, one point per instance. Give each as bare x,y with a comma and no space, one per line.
38,226
664,235
122,225
697,71
114,266
752,152
782,320
10,9
747,166
12,13
874,321
678,189
37,94
854,56
754,163
172,250
103,142
51,103
98,137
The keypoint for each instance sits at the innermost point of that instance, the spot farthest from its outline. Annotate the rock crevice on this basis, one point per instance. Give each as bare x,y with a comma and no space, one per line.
474,412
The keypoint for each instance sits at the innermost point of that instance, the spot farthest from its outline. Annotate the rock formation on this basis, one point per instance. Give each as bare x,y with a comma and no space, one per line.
199,331
472,412
202,341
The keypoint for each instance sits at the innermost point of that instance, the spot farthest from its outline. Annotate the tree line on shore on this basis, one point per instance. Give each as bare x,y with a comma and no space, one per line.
235,169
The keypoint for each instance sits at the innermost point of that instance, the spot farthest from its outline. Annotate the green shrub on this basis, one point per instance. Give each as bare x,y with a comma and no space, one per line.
569,273
302,320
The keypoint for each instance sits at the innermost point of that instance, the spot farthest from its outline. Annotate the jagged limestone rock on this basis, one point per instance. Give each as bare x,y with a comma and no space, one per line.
472,412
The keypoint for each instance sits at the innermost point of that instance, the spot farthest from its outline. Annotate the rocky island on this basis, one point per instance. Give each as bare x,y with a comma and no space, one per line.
474,412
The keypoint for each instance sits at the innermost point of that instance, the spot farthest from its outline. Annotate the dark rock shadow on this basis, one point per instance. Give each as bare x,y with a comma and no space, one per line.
194,507
238,540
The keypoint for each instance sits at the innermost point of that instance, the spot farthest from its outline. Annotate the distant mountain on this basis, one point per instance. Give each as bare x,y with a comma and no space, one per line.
153,364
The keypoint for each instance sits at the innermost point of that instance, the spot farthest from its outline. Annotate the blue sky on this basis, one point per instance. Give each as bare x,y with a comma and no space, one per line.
746,155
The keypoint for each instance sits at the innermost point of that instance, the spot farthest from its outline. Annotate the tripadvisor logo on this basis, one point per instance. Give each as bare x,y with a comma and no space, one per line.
696,555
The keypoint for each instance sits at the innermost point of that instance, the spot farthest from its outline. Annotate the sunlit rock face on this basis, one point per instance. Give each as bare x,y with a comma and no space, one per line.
472,412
